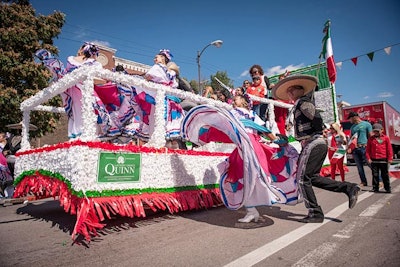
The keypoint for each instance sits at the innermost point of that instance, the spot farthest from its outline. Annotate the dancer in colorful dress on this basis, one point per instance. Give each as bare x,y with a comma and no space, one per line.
72,97
247,176
114,103
274,160
159,73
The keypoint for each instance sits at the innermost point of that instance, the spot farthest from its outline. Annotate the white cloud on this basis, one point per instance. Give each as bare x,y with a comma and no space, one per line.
279,69
275,70
366,97
385,95
244,73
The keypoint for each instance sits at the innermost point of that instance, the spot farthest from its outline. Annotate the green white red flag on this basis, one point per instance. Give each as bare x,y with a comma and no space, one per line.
339,153
353,142
394,170
327,52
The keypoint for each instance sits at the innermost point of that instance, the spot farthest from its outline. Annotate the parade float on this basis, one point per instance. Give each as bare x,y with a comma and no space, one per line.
97,178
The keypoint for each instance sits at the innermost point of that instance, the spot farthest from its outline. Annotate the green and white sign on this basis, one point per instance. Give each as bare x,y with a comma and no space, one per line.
118,167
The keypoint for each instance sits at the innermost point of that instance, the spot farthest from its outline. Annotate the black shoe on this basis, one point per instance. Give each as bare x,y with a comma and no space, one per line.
388,191
312,219
374,190
353,195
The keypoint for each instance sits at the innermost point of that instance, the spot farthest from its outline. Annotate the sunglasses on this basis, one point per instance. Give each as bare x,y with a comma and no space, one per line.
254,72
246,83
256,78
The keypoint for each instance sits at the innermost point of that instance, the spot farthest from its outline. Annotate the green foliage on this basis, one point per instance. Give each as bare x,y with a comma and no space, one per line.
223,77
194,84
22,33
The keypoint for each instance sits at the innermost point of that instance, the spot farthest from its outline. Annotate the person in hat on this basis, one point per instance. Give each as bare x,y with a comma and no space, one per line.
182,83
379,154
362,130
159,72
162,74
72,97
338,142
308,127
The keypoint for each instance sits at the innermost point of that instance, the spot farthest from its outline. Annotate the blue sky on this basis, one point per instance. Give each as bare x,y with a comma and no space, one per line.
277,35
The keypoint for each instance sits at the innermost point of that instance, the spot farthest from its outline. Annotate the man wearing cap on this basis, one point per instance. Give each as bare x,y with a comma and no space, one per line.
308,126
379,154
363,129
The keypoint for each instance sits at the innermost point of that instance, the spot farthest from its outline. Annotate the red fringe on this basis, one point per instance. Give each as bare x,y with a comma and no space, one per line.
91,211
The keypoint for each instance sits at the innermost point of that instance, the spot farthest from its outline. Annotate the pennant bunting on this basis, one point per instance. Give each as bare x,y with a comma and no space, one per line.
327,52
371,56
388,50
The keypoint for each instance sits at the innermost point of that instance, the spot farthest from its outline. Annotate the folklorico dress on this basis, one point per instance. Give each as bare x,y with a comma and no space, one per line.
248,175
173,114
72,98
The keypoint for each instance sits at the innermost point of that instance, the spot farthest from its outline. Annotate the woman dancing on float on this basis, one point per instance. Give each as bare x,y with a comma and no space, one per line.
255,173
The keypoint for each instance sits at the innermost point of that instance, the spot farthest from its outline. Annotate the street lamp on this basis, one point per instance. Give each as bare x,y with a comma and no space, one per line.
216,43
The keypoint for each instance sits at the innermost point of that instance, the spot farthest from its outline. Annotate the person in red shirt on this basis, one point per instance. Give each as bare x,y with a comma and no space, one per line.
256,89
337,150
379,154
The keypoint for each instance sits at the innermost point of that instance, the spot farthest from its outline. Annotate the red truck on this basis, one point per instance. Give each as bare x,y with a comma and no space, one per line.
376,112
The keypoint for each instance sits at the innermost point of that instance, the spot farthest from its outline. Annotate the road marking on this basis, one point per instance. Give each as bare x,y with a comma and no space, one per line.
317,257
270,248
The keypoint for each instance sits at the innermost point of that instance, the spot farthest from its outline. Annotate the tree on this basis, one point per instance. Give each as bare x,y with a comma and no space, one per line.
195,85
22,33
223,77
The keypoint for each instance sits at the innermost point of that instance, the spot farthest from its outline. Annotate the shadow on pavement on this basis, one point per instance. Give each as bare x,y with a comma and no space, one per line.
51,211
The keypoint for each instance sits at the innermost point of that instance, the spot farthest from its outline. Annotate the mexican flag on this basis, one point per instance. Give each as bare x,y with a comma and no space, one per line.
353,142
327,52
394,171
339,153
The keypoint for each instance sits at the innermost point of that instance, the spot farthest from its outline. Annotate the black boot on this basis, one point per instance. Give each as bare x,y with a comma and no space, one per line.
313,217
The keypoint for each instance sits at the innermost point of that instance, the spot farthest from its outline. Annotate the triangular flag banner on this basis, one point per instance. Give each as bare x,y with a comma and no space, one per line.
354,59
339,64
371,56
388,50
327,52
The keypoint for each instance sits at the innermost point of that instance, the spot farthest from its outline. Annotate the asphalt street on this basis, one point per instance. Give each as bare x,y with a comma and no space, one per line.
39,234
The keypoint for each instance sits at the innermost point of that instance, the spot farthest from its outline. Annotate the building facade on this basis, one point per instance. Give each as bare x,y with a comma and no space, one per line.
109,61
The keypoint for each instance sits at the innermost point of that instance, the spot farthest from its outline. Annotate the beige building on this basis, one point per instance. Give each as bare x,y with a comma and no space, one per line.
109,61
